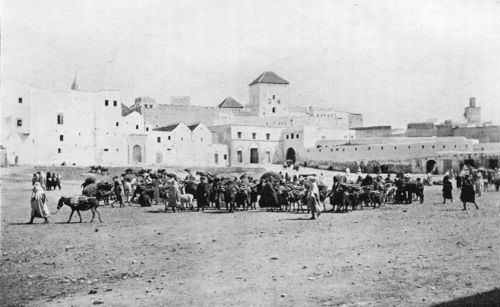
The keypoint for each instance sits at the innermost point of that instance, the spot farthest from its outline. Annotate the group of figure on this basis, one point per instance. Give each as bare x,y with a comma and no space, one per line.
471,182
49,181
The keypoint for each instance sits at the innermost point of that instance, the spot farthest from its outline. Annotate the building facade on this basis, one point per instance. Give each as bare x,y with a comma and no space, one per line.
248,145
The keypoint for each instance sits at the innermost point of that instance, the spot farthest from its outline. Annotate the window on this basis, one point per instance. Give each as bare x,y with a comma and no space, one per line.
61,137
336,149
291,135
287,136
225,157
117,124
343,149
239,156
444,146
115,103
279,101
106,103
117,149
274,97
297,136
455,146
182,139
268,156
59,150
239,135
201,140
382,148
409,147
147,128
137,127
355,148
423,146
19,122
432,146
105,149
169,137
20,99
274,109
369,148
268,136
395,148
254,135
216,158
158,139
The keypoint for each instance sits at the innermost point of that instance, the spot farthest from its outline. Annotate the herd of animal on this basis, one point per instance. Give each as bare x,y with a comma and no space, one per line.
151,187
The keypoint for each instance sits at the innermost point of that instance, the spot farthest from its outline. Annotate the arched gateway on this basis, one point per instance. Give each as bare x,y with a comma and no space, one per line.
290,155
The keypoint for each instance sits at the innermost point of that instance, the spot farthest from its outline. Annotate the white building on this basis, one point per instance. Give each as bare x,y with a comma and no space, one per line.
82,128
178,144
51,127
250,144
296,140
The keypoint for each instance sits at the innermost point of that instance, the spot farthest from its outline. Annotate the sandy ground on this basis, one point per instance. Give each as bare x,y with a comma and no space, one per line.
398,255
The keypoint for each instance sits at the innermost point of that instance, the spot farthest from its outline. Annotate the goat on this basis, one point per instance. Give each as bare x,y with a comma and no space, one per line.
186,201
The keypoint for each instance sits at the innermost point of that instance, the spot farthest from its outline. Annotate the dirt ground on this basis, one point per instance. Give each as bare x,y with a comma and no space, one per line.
398,255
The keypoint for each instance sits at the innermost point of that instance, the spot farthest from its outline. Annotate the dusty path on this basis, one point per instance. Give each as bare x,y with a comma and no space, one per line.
399,255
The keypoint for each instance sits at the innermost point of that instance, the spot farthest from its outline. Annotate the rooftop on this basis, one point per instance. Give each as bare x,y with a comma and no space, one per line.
230,103
371,127
168,128
269,77
193,126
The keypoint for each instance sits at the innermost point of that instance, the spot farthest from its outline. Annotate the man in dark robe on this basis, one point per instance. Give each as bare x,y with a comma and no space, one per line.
468,195
269,198
202,194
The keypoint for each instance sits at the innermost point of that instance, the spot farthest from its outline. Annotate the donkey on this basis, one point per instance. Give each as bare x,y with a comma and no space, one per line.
80,203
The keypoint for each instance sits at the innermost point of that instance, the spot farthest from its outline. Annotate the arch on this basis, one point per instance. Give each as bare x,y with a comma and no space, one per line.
430,166
291,155
137,154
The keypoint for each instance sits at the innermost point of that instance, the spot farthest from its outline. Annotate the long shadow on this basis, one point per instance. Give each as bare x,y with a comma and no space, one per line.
218,212
452,209
298,219
26,224
484,299
158,211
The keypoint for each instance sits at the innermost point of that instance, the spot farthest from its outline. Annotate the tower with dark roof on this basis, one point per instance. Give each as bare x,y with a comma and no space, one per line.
269,95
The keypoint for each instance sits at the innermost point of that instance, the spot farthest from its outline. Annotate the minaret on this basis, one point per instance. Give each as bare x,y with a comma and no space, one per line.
74,85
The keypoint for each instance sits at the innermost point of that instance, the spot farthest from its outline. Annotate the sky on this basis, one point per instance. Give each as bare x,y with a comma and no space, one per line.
393,61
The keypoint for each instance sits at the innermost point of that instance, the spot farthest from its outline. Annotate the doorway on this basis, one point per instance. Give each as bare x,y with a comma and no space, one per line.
137,154
254,155
290,155
430,167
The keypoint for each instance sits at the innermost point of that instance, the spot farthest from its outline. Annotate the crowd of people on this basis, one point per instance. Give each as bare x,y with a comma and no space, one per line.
471,182
274,191
48,181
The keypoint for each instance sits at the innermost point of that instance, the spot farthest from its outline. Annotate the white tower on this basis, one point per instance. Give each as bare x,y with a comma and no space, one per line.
269,95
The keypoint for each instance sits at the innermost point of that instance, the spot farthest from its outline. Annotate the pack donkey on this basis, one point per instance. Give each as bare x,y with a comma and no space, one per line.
80,203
